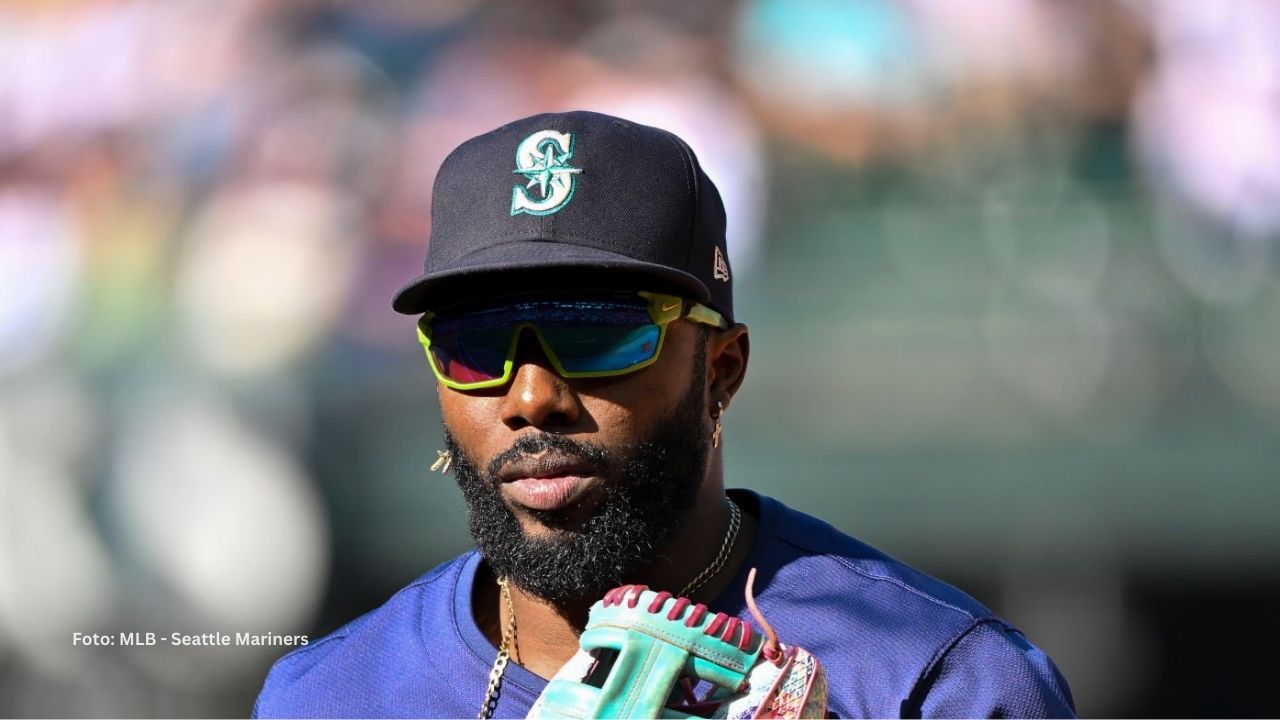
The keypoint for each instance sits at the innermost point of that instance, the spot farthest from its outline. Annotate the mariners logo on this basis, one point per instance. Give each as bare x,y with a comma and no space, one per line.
543,158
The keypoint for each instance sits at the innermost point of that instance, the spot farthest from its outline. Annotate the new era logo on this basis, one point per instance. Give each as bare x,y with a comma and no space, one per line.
720,268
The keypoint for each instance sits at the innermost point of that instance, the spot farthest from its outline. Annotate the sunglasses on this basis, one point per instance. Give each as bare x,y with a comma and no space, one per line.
584,336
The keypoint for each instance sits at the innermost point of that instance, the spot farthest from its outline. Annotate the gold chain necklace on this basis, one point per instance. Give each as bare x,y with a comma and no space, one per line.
504,654
730,537
509,636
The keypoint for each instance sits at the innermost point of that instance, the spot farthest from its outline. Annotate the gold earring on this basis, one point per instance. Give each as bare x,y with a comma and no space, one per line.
715,434
443,460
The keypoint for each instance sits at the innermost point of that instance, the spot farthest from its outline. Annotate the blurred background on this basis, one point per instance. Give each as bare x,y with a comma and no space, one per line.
1010,268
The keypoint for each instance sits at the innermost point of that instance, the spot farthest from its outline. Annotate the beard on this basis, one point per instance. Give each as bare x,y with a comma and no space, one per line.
648,488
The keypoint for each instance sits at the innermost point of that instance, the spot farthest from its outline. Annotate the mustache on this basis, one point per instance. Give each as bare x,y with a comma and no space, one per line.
559,446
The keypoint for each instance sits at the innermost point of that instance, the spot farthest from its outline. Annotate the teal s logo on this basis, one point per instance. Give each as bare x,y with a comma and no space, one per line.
543,158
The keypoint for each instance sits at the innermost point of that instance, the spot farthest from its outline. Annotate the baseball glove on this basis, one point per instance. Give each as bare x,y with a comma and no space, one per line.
645,653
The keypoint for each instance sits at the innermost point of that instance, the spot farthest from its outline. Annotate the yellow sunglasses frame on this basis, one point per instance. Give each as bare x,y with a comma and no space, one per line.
663,309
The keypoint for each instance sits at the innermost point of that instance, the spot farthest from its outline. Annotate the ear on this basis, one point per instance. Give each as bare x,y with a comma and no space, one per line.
727,353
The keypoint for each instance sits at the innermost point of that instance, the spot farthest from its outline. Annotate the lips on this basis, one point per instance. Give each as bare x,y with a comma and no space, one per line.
553,493
548,482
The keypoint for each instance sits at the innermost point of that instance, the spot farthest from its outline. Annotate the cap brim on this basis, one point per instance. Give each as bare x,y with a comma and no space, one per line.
534,264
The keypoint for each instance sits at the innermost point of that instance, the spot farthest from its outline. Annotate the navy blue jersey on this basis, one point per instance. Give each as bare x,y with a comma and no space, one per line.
894,642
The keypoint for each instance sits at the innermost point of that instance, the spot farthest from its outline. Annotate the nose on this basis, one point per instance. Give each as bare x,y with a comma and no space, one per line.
537,396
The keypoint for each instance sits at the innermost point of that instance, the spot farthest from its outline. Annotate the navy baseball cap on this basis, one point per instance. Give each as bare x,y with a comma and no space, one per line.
573,200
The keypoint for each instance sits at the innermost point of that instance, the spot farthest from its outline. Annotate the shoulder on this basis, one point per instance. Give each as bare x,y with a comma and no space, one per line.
885,631
992,670
318,679
808,555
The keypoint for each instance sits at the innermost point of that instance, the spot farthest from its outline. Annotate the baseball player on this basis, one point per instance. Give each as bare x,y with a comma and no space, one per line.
576,310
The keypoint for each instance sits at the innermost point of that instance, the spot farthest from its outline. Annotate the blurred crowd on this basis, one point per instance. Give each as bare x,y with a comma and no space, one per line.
977,223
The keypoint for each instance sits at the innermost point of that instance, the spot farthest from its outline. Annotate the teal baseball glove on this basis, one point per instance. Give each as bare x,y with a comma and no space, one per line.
644,654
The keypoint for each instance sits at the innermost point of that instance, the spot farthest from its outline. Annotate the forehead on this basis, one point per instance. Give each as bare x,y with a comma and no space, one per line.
558,282
563,306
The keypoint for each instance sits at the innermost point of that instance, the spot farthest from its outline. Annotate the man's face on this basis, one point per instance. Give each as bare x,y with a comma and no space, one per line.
571,485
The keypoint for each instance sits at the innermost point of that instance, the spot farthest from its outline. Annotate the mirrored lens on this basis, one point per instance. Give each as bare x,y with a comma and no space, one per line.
470,355
602,348
586,336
